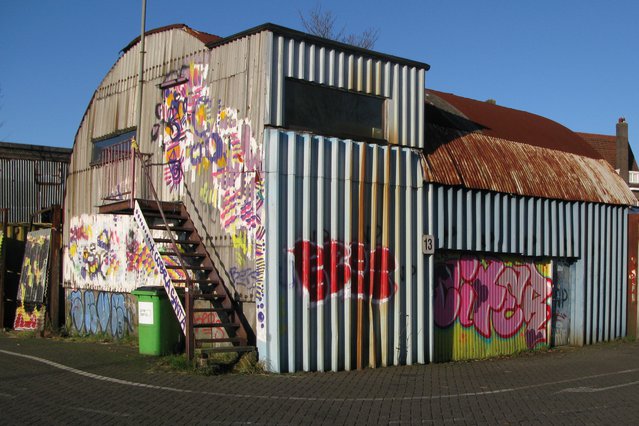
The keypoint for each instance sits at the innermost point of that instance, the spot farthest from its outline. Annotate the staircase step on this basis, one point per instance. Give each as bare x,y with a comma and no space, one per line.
177,241
167,206
228,310
188,254
216,325
221,349
217,297
196,281
156,214
221,340
191,267
161,227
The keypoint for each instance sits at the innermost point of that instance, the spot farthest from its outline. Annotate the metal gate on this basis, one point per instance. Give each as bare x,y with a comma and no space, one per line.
563,289
487,306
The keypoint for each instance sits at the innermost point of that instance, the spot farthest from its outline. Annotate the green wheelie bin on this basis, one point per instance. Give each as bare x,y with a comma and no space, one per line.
159,332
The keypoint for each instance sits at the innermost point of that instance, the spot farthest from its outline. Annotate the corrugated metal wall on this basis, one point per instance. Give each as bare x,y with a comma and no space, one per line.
112,109
402,84
27,186
344,270
594,234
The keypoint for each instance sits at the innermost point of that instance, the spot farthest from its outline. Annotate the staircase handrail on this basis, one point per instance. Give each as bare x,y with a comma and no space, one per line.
189,284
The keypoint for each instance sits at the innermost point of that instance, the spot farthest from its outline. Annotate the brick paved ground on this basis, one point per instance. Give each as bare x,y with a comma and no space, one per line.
111,384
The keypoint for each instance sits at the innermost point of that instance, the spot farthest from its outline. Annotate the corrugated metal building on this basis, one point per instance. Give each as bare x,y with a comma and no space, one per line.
360,220
32,178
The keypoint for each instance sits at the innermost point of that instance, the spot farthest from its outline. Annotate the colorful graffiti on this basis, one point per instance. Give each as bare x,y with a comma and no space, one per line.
260,268
26,320
200,137
497,299
163,274
244,280
100,312
106,252
34,276
350,269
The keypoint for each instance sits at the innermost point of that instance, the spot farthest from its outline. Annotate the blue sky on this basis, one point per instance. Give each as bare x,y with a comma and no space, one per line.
574,61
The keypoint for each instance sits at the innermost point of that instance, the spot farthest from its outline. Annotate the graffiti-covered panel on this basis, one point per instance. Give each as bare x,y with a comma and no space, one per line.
487,306
100,312
213,160
34,276
107,252
345,277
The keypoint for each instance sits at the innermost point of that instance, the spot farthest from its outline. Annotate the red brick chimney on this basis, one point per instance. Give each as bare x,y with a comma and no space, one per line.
622,149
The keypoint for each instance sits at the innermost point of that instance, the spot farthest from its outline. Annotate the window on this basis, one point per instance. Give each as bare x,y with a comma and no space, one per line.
112,148
333,112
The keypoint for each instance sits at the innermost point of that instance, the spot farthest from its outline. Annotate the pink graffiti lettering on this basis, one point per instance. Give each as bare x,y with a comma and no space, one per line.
327,269
493,295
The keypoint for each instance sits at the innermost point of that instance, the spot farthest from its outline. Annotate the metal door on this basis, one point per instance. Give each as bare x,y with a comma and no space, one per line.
561,301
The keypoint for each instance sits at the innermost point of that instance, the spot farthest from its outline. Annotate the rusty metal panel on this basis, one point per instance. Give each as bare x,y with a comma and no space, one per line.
478,161
347,265
402,84
488,306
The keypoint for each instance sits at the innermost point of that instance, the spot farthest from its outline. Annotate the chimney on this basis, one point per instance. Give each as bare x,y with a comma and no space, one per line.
622,149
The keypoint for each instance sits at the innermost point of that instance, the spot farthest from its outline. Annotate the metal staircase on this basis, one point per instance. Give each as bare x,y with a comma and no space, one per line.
214,320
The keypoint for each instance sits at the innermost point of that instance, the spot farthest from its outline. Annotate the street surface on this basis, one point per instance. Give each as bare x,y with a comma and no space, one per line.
61,382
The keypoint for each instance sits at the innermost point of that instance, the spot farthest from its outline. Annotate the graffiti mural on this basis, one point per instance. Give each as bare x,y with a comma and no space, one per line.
100,312
337,268
107,252
33,278
29,319
201,137
244,280
489,306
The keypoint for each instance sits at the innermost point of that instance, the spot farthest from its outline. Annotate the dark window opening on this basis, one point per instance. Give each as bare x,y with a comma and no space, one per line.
333,112
112,148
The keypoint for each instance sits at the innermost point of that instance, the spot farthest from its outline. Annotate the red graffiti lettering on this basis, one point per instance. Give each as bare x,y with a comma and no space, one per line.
329,269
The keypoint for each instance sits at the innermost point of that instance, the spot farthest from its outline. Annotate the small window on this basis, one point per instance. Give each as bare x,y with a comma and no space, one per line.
333,112
112,148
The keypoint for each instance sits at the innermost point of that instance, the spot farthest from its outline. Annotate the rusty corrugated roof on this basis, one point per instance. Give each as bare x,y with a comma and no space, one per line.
202,36
606,146
484,146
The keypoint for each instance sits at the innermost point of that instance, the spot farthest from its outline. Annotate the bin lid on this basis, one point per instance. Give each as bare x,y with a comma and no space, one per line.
148,291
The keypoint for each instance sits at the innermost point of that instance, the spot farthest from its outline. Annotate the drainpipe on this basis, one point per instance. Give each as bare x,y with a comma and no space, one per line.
622,149
138,108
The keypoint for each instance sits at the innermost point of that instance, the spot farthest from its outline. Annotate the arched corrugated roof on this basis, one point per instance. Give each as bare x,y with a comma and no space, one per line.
484,146
202,36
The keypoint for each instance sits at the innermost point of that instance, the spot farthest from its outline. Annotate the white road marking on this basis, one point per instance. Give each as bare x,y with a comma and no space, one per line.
91,410
302,398
589,390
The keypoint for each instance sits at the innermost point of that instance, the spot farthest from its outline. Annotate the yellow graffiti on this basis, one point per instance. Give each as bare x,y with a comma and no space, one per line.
241,246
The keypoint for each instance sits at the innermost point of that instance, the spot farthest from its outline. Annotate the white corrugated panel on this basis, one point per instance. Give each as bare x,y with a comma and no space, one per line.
592,235
344,286
402,84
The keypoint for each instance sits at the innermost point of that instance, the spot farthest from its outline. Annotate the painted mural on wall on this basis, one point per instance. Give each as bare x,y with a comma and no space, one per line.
100,312
201,137
487,306
107,252
34,276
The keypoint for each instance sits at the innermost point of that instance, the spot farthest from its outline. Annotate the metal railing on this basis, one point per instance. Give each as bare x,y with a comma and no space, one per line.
120,164
188,291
